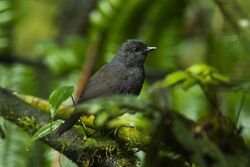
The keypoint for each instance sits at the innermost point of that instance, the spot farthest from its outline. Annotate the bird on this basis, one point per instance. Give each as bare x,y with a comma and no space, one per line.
124,74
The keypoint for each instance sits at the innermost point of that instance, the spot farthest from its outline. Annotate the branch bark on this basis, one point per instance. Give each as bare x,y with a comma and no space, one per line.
32,113
126,134
31,119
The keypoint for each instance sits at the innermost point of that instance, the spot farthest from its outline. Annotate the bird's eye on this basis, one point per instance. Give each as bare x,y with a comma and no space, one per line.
136,49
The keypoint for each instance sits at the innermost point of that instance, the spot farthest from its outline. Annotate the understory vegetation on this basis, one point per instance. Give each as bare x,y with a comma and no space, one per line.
193,110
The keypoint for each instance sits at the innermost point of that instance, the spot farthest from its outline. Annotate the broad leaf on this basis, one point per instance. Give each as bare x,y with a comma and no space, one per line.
45,130
175,78
58,96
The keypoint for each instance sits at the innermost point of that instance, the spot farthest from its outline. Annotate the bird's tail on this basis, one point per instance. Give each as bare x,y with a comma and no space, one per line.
69,123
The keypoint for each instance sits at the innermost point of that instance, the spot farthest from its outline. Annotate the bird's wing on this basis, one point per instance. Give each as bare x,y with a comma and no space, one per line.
105,82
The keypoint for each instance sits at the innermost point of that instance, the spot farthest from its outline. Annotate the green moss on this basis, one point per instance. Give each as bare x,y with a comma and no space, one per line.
28,123
132,138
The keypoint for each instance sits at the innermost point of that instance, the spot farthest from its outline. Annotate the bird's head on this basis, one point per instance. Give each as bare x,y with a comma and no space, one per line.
134,52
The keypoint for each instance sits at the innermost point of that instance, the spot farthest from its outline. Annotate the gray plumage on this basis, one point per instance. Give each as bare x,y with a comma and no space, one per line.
123,75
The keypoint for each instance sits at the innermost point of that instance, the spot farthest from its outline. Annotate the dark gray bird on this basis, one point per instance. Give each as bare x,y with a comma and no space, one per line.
123,75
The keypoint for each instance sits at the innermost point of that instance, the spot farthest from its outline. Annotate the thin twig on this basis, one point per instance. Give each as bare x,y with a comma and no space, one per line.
211,100
73,101
87,68
242,101
56,161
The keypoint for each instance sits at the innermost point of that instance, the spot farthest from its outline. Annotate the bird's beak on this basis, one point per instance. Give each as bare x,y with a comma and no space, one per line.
150,48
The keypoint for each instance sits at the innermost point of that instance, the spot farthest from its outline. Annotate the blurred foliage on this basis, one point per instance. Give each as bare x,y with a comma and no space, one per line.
44,44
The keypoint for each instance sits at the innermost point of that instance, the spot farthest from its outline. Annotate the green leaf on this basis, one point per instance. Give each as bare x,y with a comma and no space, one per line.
206,75
45,130
188,83
221,78
199,69
174,78
101,118
115,106
58,96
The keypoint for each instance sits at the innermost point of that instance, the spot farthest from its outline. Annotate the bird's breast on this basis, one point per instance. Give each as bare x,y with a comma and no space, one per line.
133,81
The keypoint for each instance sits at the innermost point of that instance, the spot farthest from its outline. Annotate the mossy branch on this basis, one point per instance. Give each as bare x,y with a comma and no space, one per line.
32,113
31,119
127,134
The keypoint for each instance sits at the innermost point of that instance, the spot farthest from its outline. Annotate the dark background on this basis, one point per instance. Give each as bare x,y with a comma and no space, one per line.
45,44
